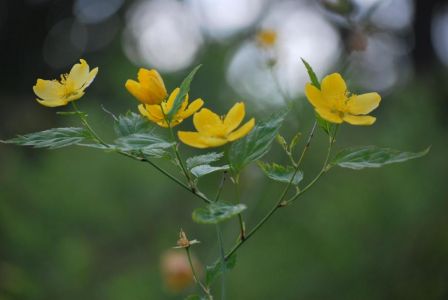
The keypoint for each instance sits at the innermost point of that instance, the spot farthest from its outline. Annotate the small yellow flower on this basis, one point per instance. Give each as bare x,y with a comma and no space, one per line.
71,87
215,131
266,38
155,114
334,103
149,89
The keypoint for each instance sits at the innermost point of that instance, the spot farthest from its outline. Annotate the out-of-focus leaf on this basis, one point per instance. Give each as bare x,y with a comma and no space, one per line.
52,138
217,212
294,141
202,170
280,173
215,270
372,157
131,123
203,159
256,144
183,91
282,142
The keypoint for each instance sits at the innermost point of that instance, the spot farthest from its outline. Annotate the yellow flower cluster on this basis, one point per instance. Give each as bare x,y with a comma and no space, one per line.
212,130
333,102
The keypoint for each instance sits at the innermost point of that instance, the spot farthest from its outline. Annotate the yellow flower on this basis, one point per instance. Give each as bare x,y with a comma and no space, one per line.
71,87
149,89
334,103
266,38
215,131
155,114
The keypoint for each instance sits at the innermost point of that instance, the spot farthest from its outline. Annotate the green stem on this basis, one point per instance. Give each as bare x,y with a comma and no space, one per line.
176,152
100,140
240,215
321,172
87,125
195,276
221,186
220,242
280,202
223,262
170,176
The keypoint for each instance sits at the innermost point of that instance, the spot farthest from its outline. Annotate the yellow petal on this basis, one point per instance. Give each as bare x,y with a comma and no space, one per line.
329,116
91,77
150,77
242,131
153,85
363,104
145,111
194,139
136,90
192,108
234,117
314,96
74,96
52,103
172,97
208,123
333,85
50,91
359,120
79,74
164,124
156,112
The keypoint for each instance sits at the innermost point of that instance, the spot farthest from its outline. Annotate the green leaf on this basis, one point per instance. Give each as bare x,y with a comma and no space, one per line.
131,123
203,159
280,173
147,143
372,157
202,170
215,270
311,74
281,141
294,141
52,138
217,212
256,144
183,91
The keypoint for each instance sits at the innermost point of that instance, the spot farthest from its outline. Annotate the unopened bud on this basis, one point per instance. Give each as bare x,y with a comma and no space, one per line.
183,241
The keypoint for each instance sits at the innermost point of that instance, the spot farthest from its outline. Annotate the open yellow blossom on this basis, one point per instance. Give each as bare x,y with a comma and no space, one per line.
71,87
155,114
266,38
334,103
149,89
215,131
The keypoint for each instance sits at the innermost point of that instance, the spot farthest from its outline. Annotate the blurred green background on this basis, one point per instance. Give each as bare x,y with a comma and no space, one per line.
80,224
